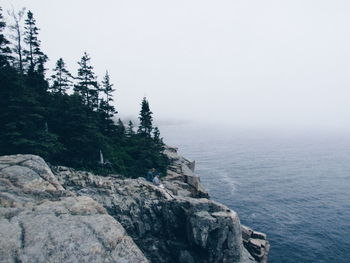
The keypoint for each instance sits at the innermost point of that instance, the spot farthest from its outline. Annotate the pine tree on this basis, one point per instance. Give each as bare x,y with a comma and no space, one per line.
87,86
120,128
17,36
78,132
23,122
62,78
145,127
4,44
34,55
156,136
107,89
35,61
31,39
130,130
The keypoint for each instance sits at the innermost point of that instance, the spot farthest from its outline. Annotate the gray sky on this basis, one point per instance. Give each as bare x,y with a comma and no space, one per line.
248,63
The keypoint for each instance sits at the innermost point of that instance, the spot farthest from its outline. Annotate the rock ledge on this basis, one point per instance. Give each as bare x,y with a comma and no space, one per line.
64,215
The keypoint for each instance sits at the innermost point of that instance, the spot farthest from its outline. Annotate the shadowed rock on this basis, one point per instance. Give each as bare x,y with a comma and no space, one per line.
167,227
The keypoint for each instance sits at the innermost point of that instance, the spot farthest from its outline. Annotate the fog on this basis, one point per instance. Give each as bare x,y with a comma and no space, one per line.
247,63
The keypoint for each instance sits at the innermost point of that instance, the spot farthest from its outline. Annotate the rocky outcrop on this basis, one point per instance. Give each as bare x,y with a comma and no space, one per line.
181,171
42,222
181,174
256,243
64,215
165,226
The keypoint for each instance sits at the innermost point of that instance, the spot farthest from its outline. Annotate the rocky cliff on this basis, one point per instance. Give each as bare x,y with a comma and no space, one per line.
58,214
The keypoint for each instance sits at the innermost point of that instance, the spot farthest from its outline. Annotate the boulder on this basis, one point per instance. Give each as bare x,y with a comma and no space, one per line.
40,221
256,243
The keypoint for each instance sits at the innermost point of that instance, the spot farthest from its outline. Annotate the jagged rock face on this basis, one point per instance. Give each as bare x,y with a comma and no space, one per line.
166,227
42,222
256,243
181,178
63,215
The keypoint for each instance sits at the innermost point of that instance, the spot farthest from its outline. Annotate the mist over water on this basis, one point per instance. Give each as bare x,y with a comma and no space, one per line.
294,187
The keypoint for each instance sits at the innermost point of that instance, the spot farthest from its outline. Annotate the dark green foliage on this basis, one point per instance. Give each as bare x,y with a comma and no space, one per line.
107,110
130,130
158,141
107,89
87,86
145,127
4,44
120,128
22,118
145,148
33,55
62,79
36,118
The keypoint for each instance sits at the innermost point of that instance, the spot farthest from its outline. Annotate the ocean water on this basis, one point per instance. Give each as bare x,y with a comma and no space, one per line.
294,187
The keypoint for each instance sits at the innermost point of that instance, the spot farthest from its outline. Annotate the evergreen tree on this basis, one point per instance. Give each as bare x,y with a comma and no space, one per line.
17,36
107,110
78,132
145,127
62,78
120,128
4,44
107,89
87,86
156,136
23,122
34,55
130,130
31,39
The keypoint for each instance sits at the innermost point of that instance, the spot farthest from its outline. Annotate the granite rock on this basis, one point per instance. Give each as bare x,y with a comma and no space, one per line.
166,227
42,222
58,214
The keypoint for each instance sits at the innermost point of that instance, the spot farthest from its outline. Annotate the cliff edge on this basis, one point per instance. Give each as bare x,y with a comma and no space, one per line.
57,214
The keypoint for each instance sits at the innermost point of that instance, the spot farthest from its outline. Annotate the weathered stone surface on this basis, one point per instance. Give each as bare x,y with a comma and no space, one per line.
182,167
42,222
256,243
28,172
182,181
258,235
76,229
167,227
75,216
246,232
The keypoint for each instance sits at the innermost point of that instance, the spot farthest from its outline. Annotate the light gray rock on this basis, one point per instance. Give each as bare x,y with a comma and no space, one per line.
256,243
182,181
182,169
63,215
28,172
167,227
42,222
76,229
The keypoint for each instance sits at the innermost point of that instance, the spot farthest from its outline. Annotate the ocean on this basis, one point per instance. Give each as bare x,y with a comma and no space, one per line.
294,187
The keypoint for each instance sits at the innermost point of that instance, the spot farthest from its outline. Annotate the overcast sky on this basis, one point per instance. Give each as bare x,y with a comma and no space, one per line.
249,63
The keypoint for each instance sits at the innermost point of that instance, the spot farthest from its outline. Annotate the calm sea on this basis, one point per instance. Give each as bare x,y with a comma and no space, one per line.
294,187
